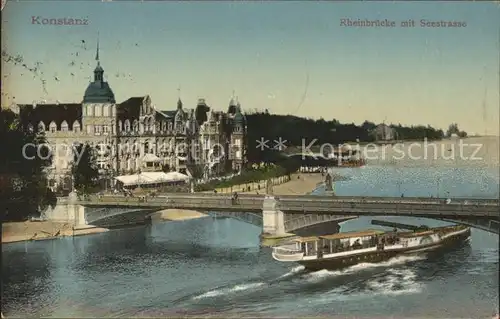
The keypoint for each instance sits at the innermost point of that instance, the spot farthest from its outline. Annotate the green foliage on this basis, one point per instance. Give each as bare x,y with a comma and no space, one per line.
85,172
299,131
24,189
453,129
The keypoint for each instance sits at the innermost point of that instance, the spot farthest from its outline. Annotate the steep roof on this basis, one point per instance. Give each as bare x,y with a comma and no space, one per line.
130,109
46,113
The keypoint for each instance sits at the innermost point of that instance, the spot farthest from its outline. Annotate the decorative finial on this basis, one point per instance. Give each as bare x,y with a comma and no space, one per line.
179,92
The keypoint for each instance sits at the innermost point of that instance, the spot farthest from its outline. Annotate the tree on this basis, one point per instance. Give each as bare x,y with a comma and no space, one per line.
452,129
84,170
24,188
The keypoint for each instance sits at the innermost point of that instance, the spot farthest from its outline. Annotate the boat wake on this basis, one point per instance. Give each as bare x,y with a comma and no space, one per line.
293,271
396,282
322,274
392,281
229,290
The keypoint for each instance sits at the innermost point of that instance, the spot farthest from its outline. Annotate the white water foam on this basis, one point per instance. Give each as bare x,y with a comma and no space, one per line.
226,291
322,274
397,282
293,271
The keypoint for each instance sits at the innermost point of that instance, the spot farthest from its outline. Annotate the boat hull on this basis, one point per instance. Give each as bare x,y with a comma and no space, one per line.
382,255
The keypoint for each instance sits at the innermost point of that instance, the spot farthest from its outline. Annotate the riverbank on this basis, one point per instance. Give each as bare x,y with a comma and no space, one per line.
42,230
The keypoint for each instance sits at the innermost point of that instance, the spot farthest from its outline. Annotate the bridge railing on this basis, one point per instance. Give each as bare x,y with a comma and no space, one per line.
388,208
308,220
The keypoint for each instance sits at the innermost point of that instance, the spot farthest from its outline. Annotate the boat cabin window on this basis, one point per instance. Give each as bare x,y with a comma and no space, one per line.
311,247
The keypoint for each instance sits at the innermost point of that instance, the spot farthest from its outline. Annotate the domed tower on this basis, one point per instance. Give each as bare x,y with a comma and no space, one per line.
238,136
98,91
99,113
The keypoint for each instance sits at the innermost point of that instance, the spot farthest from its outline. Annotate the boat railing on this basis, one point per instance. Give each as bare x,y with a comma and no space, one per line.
286,251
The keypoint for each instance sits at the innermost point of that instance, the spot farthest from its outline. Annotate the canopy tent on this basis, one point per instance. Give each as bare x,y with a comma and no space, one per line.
148,178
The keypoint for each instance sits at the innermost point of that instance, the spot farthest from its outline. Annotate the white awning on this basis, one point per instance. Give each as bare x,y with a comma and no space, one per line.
151,158
146,178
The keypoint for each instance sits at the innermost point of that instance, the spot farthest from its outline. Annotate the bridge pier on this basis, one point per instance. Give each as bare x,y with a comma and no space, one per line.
273,219
78,211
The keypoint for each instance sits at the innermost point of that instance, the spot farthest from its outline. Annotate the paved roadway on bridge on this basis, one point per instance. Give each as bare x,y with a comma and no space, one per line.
312,204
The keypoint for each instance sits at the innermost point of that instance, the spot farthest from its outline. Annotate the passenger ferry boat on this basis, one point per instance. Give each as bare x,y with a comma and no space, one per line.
370,246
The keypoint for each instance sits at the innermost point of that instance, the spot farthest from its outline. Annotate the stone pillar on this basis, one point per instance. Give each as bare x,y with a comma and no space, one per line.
76,210
273,219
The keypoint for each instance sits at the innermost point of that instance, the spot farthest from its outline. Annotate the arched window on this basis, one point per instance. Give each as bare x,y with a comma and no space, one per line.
163,126
64,126
136,126
113,110
97,110
105,110
90,110
52,127
41,126
127,126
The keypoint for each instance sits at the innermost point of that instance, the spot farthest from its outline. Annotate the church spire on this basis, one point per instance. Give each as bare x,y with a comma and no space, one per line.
97,51
98,71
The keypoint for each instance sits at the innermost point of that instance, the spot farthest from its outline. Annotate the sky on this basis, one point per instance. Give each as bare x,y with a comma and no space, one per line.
290,57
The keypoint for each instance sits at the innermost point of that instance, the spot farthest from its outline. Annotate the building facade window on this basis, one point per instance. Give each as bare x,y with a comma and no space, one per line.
105,110
97,110
97,130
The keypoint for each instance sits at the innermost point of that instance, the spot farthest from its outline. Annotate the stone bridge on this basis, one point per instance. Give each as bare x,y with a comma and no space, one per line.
284,214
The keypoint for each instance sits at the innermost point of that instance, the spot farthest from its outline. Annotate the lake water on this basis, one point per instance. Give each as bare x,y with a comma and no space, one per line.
216,267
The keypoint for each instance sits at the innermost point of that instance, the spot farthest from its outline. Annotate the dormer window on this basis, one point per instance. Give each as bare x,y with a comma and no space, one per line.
30,128
52,127
127,126
163,126
76,126
64,126
41,127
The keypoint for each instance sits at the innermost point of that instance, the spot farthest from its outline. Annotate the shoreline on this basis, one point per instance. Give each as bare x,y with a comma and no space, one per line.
14,232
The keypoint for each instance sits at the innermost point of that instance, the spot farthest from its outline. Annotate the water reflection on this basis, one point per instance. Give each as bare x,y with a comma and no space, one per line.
26,273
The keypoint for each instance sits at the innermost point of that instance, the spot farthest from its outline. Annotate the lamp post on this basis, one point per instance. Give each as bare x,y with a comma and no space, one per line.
437,187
